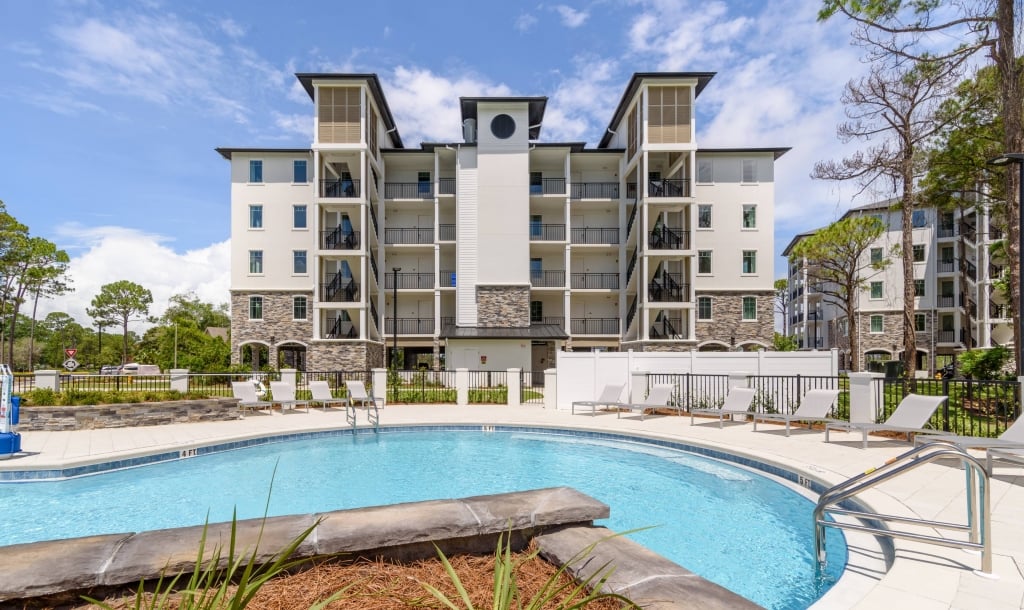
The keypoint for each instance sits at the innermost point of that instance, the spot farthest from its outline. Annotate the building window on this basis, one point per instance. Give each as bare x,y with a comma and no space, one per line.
918,253
705,171
298,216
255,308
749,171
750,261
256,217
704,216
749,216
536,311
536,183
876,324
536,226
918,288
703,308
299,171
299,308
703,261
298,261
876,256
255,171
917,219
255,261
919,322
876,290
423,183
749,308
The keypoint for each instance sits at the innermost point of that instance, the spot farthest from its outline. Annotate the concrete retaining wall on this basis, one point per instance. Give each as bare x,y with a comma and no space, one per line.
88,417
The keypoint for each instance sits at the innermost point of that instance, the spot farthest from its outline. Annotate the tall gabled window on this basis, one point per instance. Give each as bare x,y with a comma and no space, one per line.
255,171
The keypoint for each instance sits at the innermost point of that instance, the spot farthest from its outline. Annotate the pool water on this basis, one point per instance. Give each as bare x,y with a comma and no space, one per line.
726,523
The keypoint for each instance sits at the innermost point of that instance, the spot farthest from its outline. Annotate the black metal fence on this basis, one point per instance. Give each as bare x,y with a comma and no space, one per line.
531,387
115,383
973,407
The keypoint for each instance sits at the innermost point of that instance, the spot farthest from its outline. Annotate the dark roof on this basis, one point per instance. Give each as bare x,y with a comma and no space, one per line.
534,331
796,238
307,78
884,204
634,83
227,152
535,112
778,152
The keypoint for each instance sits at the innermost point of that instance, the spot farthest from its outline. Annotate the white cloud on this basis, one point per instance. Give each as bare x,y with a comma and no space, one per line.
571,18
296,124
232,28
583,102
101,255
525,22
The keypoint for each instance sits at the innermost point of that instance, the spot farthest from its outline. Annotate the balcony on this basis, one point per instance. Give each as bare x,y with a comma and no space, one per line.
796,318
409,281
945,231
548,186
595,281
409,235
969,231
409,326
669,238
340,328
447,279
594,190
972,271
447,321
337,239
675,187
446,232
998,312
542,232
339,188
547,279
446,186
587,235
995,271
947,266
946,336
551,320
594,326
340,289
408,190
667,328
945,300
668,288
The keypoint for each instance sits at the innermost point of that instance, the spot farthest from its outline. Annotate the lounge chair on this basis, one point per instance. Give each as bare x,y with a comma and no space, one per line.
245,392
910,417
657,398
609,398
814,407
284,395
322,395
737,402
358,398
1008,445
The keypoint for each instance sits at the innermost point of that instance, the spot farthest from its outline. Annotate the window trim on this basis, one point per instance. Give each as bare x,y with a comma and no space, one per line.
743,256
918,214
871,255
252,207
924,322
743,217
295,207
251,166
924,253
743,307
881,290
306,173
923,288
295,258
871,323
262,266
711,263
711,217
711,308
305,307
249,308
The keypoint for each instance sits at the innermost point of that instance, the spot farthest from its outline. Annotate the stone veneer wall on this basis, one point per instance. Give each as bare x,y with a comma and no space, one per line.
91,417
503,306
727,318
277,320
344,356
892,333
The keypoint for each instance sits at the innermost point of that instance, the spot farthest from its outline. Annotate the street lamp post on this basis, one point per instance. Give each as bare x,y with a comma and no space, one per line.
394,319
1004,160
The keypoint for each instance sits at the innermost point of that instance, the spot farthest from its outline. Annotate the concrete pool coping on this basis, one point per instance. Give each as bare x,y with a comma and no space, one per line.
921,576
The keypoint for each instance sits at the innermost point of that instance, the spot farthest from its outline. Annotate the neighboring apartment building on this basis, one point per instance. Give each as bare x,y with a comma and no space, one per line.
958,305
498,250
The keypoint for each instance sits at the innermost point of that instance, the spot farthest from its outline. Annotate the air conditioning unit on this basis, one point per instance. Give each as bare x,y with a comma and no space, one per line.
469,131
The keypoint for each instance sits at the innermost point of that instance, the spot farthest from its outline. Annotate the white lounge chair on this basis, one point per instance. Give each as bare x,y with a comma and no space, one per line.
814,407
609,398
737,402
910,418
322,395
284,395
657,398
358,398
245,392
1008,445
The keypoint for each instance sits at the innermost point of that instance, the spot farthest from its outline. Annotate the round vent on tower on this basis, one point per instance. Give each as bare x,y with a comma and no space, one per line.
503,126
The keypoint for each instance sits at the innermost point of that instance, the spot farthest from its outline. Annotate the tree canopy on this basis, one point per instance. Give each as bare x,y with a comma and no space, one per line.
121,301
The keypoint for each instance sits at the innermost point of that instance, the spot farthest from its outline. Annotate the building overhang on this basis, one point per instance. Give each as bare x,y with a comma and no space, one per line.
535,112
535,332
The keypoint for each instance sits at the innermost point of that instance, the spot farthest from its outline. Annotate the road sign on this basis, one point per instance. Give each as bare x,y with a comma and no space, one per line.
71,364
71,351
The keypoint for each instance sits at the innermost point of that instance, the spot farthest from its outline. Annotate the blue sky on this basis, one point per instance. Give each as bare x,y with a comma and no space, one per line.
111,110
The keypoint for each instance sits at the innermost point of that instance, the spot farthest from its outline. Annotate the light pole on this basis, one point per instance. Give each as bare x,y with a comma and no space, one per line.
1004,160
394,318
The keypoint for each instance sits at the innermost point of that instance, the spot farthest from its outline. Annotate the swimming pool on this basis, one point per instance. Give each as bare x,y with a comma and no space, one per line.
724,522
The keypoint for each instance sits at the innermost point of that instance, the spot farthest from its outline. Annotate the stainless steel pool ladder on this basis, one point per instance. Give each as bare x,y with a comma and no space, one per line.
979,515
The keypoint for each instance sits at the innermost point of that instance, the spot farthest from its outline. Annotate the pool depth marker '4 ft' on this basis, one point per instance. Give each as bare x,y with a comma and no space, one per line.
10,441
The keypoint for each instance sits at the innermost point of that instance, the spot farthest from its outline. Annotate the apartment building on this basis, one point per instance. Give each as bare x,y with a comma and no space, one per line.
498,250
958,306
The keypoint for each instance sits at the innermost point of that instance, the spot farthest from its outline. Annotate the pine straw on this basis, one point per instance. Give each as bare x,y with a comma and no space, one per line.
383,585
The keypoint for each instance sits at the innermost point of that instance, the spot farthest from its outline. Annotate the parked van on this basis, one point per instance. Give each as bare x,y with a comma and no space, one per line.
134,368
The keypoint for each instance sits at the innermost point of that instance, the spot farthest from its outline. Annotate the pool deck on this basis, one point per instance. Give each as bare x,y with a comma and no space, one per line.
922,576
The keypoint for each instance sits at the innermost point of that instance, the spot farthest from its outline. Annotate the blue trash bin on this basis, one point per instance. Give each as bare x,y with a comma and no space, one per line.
15,409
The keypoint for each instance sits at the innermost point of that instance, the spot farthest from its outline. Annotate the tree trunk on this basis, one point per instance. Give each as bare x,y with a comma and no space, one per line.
124,343
909,293
853,328
32,334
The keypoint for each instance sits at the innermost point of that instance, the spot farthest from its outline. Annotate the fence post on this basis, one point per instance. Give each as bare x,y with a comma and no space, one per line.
514,381
462,387
639,386
835,362
179,380
380,384
49,380
864,405
551,389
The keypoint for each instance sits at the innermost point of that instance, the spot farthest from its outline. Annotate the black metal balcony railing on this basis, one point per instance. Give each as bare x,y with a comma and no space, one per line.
339,188
409,326
668,288
447,321
340,289
631,312
594,190
446,186
373,266
595,281
672,187
594,326
946,336
409,281
545,232
972,309
667,328
408,190
969,231
631,191
668,238
337,239
998,311
945,300
632,218
972,271
373,314
373,218
947,266
409,235
548,186
340,328
796,318
946,231
587,235
446,232
547,279
631,266
559,320
447,278
995,271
